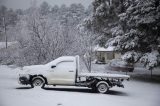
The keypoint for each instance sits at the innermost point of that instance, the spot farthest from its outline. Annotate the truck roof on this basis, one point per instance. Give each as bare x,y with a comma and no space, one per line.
63,58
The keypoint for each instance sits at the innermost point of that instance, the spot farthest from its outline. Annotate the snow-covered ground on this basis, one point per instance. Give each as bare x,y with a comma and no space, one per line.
135,93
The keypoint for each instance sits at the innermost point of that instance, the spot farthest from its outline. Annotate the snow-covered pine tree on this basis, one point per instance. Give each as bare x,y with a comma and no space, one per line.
138,34
103,18
133,26
97,27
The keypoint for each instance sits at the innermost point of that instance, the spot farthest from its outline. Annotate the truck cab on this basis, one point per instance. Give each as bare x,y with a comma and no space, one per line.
62,71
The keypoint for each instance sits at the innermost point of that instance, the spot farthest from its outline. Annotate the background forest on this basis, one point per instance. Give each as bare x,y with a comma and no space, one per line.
42,33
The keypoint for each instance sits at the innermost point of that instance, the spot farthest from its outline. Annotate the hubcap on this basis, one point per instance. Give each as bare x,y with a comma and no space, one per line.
37,82
102,88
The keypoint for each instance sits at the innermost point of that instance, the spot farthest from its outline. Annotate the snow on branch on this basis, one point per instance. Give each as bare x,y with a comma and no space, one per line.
151,59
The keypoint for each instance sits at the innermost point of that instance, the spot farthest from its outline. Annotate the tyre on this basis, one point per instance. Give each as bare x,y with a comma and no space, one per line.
38,82
102,87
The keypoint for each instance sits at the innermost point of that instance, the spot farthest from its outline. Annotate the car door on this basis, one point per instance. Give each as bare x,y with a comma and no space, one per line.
63,73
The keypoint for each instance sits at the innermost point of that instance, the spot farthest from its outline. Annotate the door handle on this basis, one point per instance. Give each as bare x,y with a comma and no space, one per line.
71,71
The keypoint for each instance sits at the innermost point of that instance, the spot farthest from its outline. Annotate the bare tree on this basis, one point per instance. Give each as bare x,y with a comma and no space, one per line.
45,38
87,43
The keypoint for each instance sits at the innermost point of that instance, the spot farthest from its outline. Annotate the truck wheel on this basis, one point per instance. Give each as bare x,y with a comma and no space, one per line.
37,82
102,87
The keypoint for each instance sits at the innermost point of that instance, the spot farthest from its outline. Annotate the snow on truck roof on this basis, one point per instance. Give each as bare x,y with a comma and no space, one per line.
63,58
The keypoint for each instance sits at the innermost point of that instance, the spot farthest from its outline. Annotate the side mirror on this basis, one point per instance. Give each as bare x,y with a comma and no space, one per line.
53,66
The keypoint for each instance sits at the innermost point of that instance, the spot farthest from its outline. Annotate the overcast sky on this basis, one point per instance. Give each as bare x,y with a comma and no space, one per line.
26,3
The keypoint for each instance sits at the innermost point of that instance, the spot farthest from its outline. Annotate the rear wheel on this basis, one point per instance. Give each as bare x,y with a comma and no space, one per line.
102,88
37,82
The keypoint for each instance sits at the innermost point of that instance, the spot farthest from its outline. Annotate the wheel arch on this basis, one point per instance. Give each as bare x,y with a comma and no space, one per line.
102,82
33,77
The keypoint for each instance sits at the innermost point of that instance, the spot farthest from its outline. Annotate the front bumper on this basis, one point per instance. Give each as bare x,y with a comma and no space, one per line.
24,79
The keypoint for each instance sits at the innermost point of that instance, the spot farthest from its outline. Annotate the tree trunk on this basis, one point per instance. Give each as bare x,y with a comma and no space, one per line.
4,27
90,62
6,39
151,73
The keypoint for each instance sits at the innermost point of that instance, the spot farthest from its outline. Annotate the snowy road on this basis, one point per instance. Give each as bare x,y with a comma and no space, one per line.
135,93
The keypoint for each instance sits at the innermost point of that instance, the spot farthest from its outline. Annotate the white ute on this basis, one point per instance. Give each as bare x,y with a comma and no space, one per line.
65,71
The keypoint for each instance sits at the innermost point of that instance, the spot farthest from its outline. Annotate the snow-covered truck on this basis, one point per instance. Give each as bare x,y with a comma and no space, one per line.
65,71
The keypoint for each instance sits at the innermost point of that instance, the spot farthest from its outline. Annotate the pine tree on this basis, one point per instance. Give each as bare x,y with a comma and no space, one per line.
132,26
140,32
103,18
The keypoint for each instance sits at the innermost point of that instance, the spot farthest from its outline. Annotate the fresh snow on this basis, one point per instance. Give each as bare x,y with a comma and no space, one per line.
102,49
62,58
151,59
104,75
135,93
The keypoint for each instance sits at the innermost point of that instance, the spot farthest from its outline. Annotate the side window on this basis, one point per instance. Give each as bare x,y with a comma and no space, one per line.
65,65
